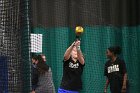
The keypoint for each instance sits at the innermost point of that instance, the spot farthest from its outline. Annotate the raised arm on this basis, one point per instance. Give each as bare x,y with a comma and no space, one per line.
79,53
68,51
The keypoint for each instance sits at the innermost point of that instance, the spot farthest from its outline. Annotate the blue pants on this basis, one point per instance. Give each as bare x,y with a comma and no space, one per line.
66,91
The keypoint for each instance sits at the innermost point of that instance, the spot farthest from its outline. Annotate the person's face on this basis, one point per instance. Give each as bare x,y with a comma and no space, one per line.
74,53
36,61
33,60
109,54
44,58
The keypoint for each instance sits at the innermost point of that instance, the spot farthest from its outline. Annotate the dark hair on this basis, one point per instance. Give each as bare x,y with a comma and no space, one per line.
41,55
115,49
42,66
35,57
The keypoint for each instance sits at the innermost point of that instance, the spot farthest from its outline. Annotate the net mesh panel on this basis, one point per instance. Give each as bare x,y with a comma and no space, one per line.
106,23
14,47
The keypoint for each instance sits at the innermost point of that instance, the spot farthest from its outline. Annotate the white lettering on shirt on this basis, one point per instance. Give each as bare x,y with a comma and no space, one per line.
72,65
113,68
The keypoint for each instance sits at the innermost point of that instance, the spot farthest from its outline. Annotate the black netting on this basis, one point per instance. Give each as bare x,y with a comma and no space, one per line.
11,46
85,12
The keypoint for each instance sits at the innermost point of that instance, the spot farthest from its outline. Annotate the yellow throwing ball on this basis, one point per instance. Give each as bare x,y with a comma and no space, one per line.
79,29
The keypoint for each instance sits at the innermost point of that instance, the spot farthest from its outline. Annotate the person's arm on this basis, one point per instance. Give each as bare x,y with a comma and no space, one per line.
80,56
124,77
79,53
68,52
32,91
107,81
106,86
124,81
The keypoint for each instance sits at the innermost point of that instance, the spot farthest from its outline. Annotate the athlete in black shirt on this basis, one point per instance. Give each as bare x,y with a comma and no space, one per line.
73,64
115,71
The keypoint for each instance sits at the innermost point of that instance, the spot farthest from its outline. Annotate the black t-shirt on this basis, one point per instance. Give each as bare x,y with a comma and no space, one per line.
72,72
115,72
